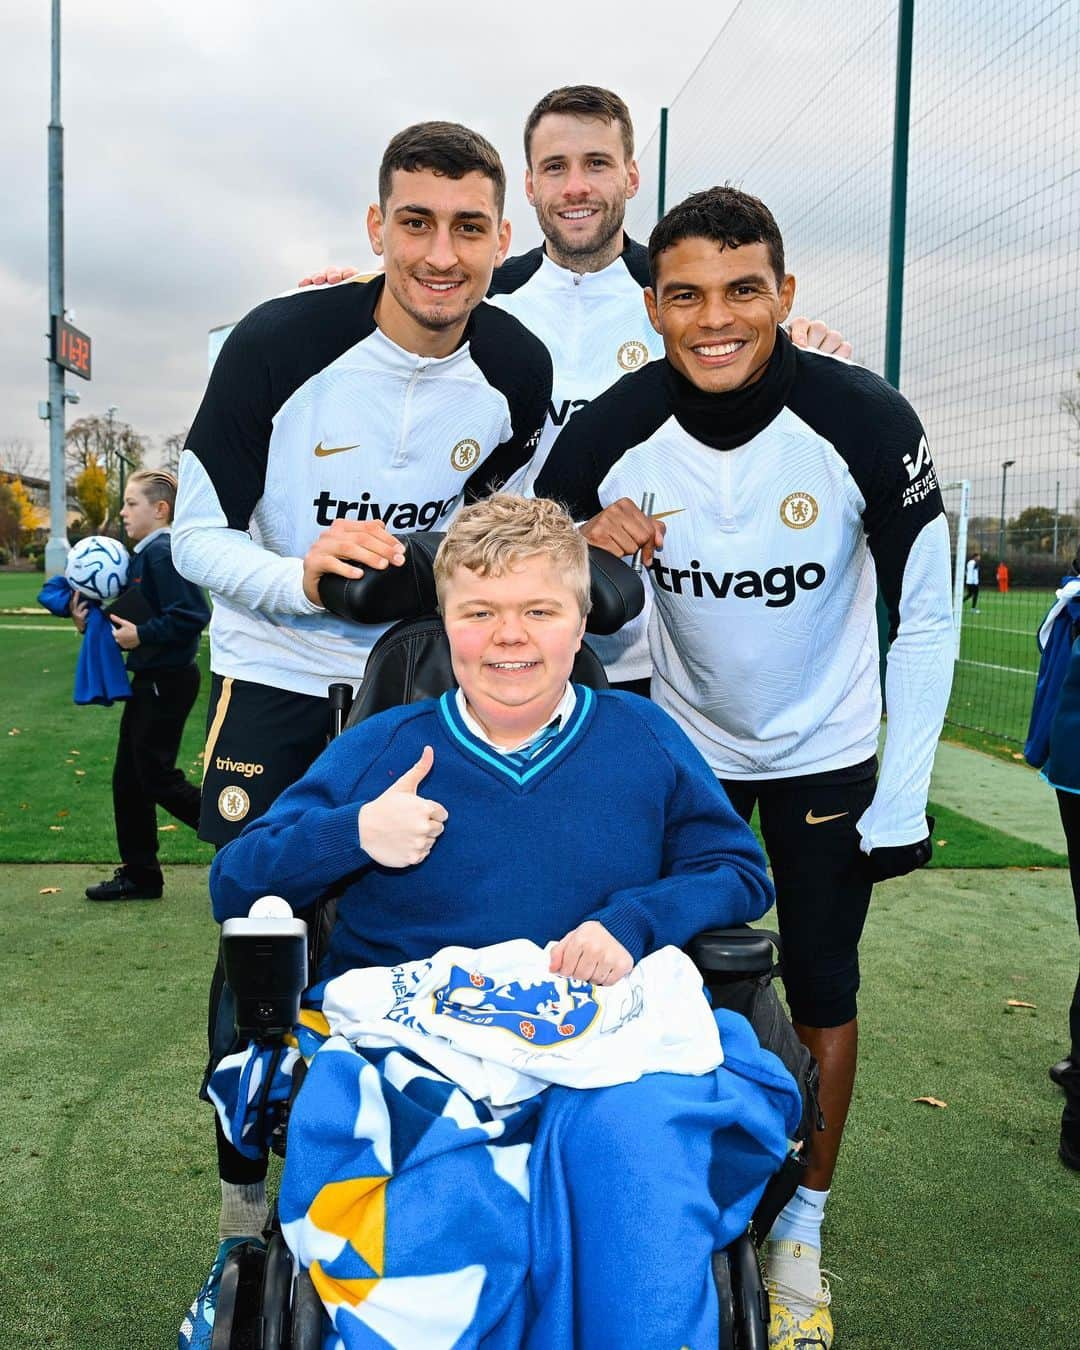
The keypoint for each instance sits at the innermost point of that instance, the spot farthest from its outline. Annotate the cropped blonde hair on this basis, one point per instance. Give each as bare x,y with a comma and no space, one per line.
158,485
491,536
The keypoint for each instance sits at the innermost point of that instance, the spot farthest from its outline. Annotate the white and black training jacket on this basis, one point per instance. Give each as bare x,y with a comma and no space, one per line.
312,414
596,329
787,505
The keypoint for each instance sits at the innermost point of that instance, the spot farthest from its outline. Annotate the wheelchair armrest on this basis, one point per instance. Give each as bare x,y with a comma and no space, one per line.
733,951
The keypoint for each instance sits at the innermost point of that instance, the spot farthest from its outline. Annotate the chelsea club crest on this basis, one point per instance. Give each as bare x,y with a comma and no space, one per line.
541,1013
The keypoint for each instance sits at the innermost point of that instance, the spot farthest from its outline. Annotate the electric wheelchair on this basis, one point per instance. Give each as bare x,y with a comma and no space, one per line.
265,1302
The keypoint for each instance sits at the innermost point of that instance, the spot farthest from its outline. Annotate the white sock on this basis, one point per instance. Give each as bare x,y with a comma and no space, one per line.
243,1210
800,1219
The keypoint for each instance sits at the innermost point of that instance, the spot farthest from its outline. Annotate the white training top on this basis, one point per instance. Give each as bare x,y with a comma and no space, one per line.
596,330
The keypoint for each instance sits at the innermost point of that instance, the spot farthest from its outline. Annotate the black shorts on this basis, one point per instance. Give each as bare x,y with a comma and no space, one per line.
258,741
822,886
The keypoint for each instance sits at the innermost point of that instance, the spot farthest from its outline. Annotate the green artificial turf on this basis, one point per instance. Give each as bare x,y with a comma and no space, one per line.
951,1229
56,759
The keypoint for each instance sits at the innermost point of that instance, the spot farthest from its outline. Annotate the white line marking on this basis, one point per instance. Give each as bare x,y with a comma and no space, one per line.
1010,670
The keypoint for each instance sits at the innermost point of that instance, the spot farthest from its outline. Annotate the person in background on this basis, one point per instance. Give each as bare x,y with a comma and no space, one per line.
161,659
971,581
1002,575
1053,745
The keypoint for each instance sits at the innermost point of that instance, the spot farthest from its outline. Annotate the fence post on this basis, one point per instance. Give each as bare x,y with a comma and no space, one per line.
662,187
894,310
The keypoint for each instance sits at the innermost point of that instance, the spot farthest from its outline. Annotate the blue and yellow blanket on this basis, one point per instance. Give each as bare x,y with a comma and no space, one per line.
575,1219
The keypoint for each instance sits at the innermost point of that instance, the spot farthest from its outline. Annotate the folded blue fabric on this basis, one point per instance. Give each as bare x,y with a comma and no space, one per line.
100,676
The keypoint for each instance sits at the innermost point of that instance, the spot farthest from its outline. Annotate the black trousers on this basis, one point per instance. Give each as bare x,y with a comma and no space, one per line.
145,773
972,595
1069,806
822,885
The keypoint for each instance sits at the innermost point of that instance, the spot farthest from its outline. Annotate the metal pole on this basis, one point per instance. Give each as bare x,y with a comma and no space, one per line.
662,188
964,484
1006,465
1057,513
57,548
894,309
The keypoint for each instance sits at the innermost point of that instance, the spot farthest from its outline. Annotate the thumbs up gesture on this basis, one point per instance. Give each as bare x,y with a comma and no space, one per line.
399,828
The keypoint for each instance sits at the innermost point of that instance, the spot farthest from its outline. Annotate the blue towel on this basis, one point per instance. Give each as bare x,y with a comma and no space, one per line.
100,676
1056,647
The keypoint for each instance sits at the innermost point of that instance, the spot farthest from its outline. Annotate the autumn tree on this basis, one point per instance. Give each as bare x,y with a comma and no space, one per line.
92,494
9,519
113,444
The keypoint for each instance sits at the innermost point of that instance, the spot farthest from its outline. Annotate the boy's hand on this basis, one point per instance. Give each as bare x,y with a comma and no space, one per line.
347,542
79,611
589,952
125,633
399,828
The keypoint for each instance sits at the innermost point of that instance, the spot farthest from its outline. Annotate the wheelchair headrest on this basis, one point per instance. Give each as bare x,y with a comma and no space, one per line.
408,592
411,661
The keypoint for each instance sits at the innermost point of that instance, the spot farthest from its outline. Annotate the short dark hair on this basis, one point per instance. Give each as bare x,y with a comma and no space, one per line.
726,215
582,100
446,148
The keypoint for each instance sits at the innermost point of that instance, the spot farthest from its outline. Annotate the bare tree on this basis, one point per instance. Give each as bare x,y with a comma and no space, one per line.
18,457
172,447
1069,403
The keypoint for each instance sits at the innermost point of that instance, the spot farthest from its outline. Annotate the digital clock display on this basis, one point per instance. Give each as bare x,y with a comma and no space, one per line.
70,348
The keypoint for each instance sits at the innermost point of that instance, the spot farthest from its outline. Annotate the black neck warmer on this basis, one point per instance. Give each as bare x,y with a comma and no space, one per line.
724,421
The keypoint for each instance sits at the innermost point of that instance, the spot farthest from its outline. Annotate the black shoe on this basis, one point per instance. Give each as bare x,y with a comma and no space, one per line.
1064,1069
124,887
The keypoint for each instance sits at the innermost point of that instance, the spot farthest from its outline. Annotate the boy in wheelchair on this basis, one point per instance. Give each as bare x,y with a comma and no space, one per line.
519,807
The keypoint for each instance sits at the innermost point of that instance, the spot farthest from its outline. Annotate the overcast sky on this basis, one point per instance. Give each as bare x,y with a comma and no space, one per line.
214,152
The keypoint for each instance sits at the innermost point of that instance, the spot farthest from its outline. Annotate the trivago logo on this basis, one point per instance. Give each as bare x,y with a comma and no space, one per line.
395,515
777,586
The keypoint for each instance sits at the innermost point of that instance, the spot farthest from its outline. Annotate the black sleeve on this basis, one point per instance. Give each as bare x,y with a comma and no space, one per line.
879,435
231,431
517,363
268,355
515,272
599,434
184,611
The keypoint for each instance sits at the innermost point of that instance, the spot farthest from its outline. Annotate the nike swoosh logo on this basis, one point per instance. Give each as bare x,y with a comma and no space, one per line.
811,819
662,515
321,451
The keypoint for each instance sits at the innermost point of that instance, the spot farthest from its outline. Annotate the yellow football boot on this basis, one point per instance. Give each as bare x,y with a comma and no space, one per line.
797,1320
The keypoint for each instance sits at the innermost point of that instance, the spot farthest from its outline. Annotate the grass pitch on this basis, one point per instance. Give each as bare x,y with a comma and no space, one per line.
952,1228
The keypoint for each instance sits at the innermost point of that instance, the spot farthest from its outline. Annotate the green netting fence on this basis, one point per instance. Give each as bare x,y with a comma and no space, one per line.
795,102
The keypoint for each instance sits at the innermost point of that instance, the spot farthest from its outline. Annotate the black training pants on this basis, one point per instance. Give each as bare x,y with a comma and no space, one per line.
145,773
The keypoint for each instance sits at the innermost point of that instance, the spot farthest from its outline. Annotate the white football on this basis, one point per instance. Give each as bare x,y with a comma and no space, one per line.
97,567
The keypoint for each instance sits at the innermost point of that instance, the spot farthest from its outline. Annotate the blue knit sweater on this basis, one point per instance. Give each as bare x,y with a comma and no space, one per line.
618,819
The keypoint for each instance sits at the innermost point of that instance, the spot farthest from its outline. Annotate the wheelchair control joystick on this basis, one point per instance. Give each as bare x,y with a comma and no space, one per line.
265,958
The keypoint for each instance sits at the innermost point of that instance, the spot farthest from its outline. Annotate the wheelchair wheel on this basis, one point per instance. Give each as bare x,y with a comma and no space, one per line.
307,1315
236,1317
751,1298
721,1269
274,1303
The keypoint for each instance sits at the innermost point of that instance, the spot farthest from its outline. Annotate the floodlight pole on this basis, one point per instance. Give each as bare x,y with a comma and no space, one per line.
57,548
1006,465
